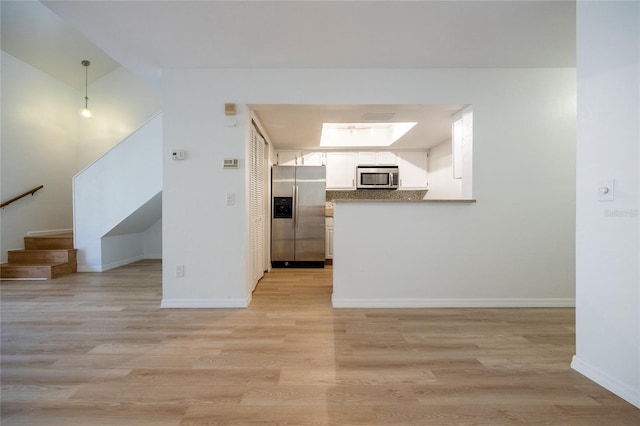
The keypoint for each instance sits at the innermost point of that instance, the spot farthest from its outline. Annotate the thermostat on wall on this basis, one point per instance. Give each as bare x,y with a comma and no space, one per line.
178,154
231,163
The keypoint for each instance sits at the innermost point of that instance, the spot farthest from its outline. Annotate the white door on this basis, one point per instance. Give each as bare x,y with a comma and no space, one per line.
257,201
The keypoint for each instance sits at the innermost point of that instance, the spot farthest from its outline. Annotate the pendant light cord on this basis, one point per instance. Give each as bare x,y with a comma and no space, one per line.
86,83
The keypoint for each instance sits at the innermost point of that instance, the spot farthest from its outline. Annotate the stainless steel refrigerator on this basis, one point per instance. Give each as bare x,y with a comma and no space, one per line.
298,216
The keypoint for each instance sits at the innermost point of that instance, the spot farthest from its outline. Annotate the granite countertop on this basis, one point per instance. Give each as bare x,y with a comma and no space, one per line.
379,200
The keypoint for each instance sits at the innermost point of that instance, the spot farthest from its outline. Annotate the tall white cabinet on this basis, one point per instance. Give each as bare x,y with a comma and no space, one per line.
413,170
341,170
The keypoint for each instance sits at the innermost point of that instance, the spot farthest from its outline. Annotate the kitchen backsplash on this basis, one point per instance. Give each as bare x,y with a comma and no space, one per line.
376,194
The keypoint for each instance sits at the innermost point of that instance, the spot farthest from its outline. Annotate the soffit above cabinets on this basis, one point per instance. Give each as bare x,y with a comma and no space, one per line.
300,126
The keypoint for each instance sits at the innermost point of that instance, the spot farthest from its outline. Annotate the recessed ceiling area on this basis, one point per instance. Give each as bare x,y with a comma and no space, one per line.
299,127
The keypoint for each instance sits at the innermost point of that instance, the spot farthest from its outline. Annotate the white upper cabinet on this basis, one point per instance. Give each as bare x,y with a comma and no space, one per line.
341,166
312,159
386,158
368,158
297,158
413,170
288,158
341,170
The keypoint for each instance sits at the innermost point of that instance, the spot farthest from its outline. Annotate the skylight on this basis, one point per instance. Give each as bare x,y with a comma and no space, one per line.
342,135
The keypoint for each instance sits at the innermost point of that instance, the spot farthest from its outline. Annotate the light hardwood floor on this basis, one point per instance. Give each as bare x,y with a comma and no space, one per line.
96,349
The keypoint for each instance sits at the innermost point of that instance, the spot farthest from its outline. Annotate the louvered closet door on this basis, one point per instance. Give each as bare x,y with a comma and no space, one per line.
261,192
257,189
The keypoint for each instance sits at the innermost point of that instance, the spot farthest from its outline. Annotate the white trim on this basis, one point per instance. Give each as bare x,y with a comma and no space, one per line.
120,263
614,385
153,256
89,268
206,303
50,232
453,303
103,268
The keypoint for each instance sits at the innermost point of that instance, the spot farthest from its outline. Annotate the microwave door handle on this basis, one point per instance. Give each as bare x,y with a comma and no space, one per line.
390,179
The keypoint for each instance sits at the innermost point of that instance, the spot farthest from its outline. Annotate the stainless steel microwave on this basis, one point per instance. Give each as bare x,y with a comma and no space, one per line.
377,177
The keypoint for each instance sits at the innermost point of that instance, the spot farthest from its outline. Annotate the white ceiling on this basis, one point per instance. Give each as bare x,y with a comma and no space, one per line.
35,35
147,36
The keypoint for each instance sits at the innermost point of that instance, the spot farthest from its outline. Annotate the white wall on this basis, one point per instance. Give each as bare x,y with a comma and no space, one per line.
120,104
39,133
46,141
442,185
152,240
113,189
120,250
608,233
524,140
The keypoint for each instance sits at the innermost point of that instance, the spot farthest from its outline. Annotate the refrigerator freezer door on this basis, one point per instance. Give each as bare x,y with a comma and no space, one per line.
309,213
282,229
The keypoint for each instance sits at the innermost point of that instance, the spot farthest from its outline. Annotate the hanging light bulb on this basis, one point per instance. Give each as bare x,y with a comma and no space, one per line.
86,112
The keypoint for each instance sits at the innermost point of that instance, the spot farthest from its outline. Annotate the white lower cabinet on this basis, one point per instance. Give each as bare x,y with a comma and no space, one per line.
328,238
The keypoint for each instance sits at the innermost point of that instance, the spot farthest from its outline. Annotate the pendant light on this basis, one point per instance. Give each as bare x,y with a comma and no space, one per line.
86,113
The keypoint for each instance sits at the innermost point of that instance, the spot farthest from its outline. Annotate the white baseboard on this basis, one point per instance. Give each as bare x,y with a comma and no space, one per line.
121,263
89,268
103,268
49,232
612,384
452,303
153,256
205,303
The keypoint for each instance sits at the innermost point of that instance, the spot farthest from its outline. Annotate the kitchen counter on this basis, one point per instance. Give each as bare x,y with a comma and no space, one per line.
379,200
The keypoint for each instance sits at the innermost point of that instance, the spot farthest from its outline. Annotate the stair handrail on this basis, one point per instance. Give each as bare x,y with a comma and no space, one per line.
31,191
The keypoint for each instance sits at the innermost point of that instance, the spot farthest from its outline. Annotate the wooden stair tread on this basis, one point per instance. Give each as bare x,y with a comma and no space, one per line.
67,235
46,256
24,264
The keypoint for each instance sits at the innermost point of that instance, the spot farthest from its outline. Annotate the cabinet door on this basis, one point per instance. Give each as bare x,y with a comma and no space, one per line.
328,238
341,170
370,158
367,159
288,158
413,170
386,158
313,159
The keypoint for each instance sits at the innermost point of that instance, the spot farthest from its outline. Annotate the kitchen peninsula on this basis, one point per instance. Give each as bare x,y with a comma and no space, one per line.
406,253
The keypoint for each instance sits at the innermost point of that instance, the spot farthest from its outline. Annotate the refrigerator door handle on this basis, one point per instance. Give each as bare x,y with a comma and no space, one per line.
295,207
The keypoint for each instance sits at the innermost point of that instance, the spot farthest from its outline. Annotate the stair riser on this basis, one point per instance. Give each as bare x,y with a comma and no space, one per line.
47,272
44,258
35,243
32,256
26,272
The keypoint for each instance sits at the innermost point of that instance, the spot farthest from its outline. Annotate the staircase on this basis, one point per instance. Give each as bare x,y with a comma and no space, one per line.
43,258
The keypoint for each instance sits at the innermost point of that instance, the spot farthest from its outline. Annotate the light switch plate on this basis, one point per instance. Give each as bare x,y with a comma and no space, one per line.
606,190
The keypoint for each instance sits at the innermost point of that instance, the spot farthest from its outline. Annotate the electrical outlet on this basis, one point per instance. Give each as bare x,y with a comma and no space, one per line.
179,271
230,198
